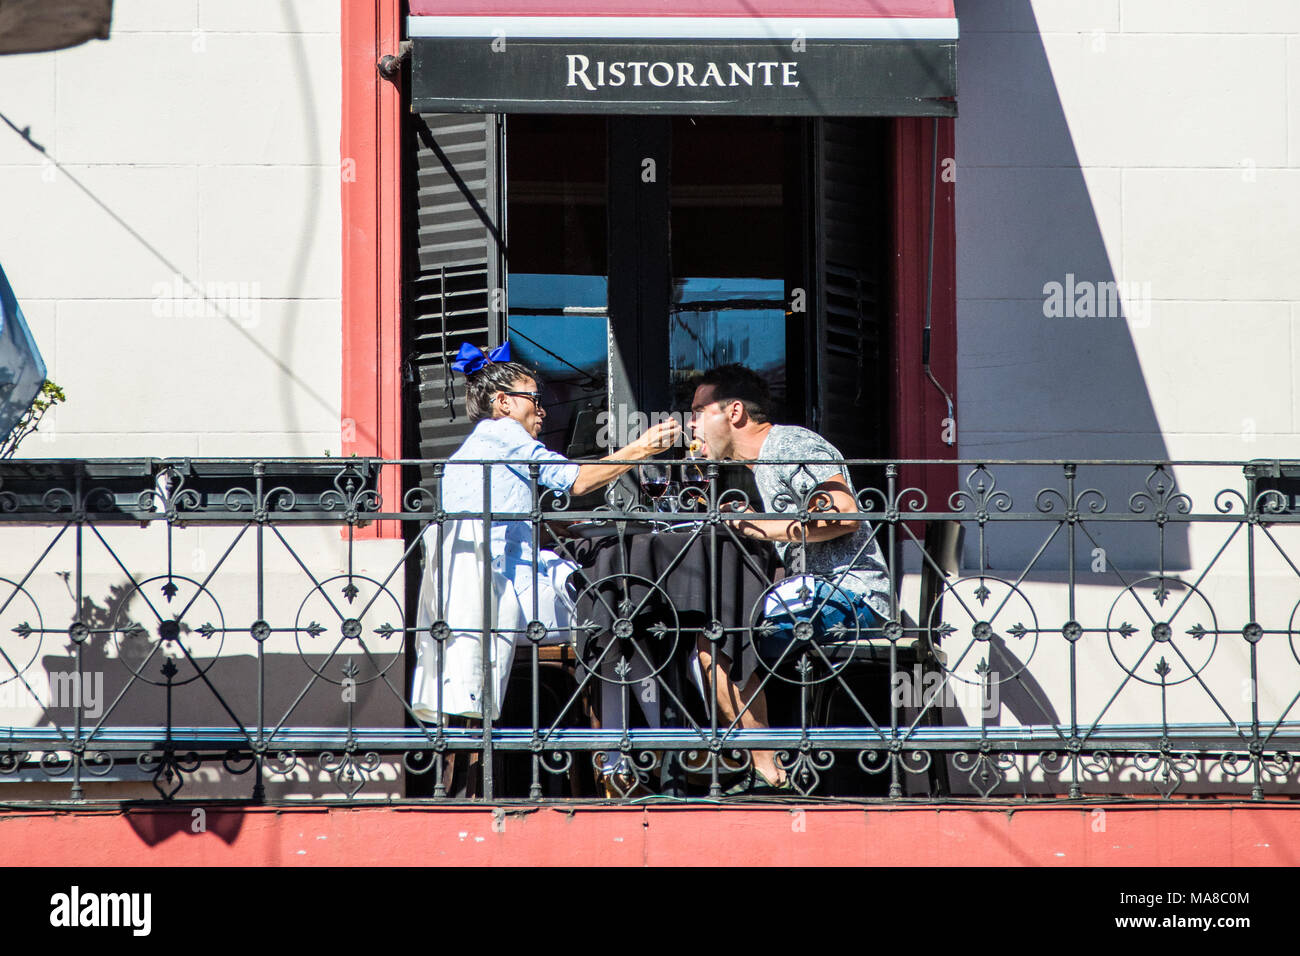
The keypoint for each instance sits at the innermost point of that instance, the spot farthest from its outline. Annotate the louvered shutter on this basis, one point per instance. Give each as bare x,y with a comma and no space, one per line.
456,257
852,200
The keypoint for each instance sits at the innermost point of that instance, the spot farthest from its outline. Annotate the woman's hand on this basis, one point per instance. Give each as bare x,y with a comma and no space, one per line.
653,440
657,438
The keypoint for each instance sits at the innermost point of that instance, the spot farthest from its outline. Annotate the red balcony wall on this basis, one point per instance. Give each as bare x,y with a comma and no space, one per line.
1222,834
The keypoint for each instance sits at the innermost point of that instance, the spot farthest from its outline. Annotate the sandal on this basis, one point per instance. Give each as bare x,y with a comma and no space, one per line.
742,786
762,787
754,784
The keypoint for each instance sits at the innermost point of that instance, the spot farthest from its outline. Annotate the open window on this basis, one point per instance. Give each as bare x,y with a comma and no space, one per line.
623,256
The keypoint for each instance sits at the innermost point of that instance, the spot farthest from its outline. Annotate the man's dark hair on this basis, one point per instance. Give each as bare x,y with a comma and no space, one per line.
487,381
732,383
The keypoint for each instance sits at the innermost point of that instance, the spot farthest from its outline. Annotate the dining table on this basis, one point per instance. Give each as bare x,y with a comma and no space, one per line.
651,589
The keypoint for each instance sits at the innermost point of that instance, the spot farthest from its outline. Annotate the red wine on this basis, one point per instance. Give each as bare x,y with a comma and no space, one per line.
655,489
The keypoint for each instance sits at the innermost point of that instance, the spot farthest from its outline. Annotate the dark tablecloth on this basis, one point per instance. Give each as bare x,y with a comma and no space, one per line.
669,576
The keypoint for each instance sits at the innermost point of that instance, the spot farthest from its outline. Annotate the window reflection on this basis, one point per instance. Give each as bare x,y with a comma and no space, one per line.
557,200
559,326
720,320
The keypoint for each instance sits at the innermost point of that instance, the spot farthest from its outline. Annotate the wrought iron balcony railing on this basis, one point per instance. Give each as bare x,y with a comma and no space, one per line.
266,628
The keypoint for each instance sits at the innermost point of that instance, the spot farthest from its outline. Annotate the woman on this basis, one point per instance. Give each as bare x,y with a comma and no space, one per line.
504,404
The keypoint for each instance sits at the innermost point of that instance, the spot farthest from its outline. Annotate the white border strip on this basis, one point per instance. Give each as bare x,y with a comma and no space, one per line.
686,28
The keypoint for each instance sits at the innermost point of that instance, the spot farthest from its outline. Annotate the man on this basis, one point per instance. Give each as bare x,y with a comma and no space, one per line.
838,573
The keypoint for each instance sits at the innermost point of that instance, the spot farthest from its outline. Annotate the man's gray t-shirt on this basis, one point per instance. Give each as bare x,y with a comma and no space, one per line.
787,488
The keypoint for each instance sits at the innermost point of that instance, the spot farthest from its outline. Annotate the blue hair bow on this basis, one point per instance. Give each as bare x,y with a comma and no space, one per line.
471,358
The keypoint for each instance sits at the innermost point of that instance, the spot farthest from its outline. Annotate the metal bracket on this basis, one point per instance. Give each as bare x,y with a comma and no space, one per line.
390,66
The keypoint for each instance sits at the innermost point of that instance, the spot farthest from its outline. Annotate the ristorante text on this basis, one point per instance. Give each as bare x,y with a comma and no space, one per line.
582,72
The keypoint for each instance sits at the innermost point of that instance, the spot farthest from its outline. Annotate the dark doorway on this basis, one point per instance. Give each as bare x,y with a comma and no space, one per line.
643,250
740,242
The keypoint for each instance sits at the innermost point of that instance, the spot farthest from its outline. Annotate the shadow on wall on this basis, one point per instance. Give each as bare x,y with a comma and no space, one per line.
123,684
1047,362
155,826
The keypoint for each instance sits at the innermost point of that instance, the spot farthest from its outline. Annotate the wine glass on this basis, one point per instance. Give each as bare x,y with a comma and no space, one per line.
695,478
654,481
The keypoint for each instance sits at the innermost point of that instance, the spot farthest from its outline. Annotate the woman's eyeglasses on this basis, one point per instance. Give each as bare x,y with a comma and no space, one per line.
535,396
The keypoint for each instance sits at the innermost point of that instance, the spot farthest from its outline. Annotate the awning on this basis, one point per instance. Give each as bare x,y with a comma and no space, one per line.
33,26
757,57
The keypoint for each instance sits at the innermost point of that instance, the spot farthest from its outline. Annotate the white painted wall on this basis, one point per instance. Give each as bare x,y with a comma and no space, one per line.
1153,143
210,129
1142,141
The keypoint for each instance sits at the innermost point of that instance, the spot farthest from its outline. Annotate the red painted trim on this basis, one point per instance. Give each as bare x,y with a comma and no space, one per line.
1125,834
936,9
919,407
371,201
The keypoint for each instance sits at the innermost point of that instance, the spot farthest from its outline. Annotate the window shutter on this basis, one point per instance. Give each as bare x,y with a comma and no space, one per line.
456,258
852,199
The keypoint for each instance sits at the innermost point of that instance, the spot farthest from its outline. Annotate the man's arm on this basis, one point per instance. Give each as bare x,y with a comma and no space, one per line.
830,497
598,474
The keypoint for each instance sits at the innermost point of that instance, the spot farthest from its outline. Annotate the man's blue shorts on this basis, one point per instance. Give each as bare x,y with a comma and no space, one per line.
832,611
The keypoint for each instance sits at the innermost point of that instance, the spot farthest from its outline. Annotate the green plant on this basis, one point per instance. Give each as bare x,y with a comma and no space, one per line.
49,396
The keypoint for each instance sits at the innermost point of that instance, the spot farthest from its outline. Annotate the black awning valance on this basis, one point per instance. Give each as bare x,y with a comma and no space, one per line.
770,57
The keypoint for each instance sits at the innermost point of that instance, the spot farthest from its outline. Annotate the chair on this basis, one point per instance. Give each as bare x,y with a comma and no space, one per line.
465,558
918,647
